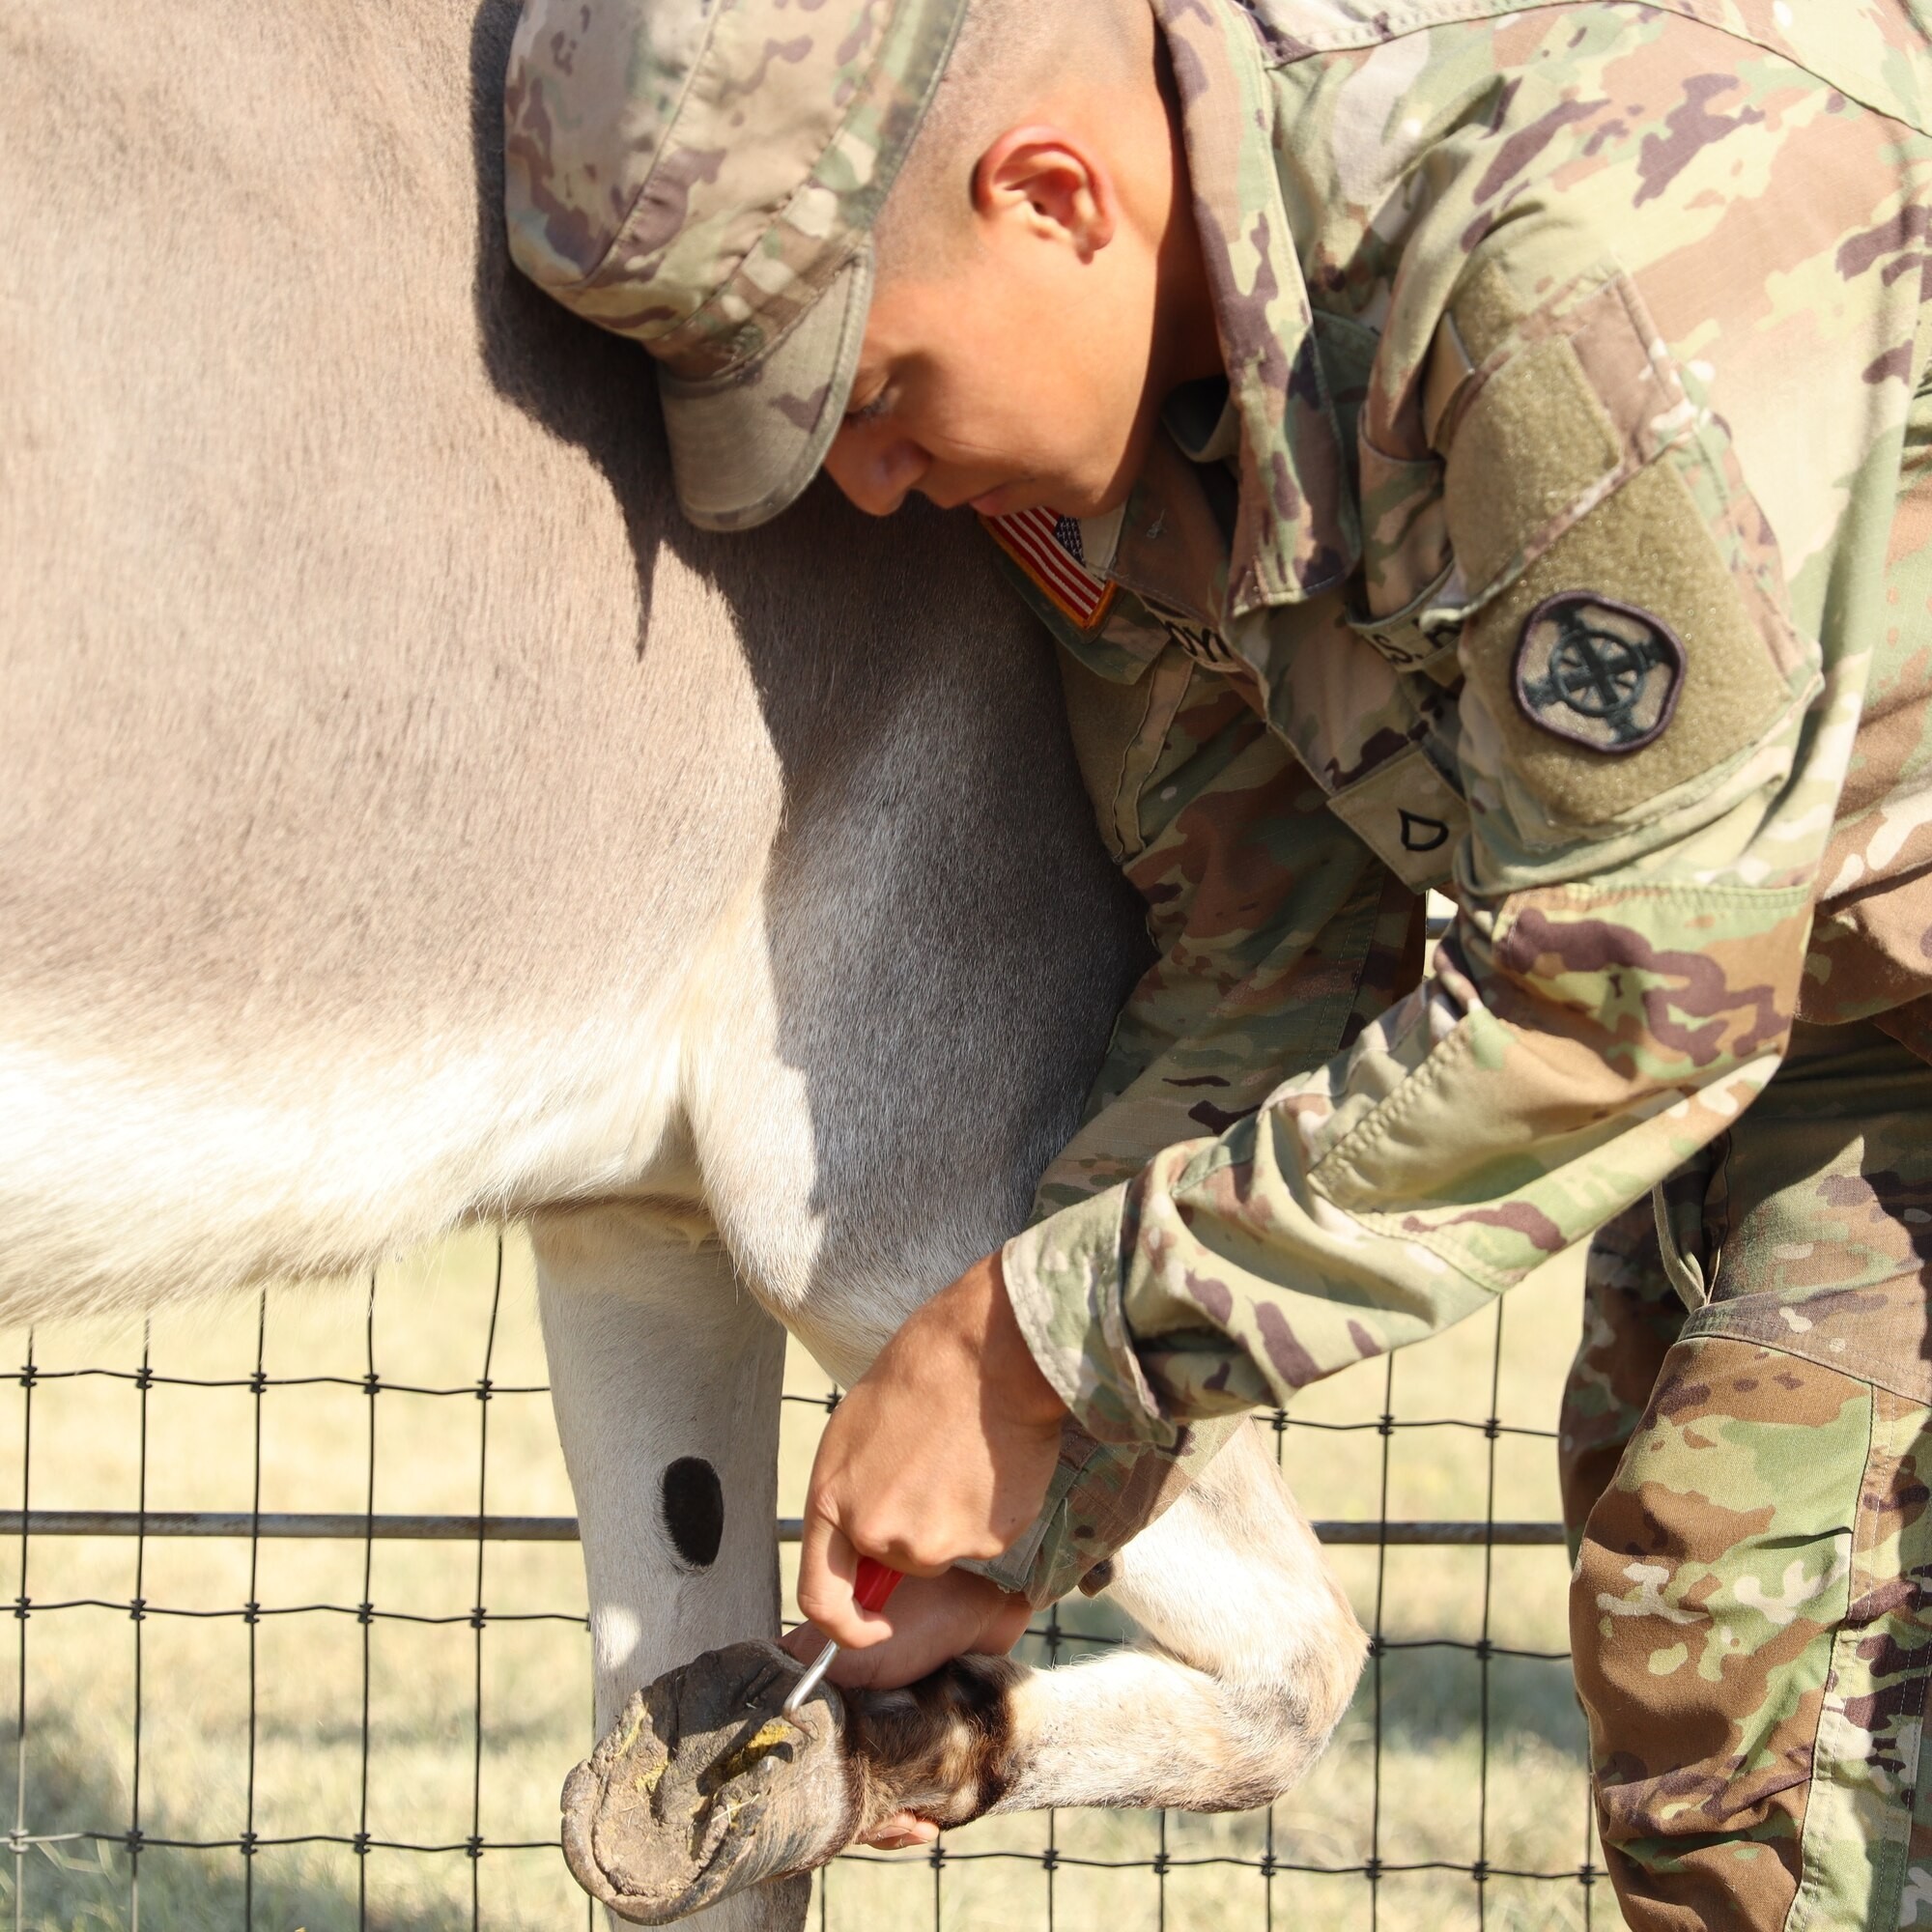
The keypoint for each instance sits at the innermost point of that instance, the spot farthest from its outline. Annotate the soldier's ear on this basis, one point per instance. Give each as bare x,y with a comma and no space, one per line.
1051,183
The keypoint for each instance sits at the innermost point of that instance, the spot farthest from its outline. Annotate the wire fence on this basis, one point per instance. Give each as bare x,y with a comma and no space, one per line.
229,1712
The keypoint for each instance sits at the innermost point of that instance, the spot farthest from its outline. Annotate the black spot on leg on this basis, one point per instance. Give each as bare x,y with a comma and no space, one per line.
694,1509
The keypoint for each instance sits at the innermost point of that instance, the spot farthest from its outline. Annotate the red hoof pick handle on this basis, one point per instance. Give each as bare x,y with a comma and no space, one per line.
871,1588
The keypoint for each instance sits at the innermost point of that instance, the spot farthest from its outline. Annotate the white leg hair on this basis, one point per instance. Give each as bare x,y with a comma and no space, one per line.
658,1356
1250,1656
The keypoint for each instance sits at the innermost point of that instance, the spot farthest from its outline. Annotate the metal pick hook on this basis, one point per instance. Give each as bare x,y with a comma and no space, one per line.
871,1588
809,1683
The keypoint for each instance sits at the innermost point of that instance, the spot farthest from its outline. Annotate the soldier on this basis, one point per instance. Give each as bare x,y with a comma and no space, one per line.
1477,446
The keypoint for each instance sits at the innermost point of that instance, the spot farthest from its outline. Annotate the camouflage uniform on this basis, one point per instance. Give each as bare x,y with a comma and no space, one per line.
1565,534
1749,1636
1564,269
1279,937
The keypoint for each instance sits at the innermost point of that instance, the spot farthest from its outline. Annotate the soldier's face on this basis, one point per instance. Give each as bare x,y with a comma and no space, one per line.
1028,367
969,395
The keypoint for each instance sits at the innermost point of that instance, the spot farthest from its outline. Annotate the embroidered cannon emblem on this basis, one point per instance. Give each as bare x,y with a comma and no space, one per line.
1602,673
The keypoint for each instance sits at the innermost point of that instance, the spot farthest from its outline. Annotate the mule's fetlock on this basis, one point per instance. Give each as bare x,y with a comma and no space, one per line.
944,1748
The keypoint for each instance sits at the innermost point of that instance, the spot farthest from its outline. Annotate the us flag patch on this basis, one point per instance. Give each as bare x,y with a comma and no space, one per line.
1047,547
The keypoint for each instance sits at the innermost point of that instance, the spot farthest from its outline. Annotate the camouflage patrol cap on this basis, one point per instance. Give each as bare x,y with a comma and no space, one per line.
702,175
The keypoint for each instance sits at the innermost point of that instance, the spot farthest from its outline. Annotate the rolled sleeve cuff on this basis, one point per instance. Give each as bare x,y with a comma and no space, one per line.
1102,1495
1062,1278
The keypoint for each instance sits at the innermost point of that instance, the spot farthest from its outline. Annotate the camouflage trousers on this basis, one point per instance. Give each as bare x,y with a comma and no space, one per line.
1746,1461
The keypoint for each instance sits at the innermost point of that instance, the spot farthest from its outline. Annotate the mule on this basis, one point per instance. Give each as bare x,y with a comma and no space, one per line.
407,819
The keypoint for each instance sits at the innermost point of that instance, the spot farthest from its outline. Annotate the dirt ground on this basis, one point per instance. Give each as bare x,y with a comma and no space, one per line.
1445,1789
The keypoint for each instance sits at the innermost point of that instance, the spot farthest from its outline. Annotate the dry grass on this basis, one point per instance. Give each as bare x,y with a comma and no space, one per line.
426,1781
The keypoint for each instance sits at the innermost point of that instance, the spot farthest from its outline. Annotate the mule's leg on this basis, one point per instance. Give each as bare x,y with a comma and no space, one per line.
1249,1657
665,1377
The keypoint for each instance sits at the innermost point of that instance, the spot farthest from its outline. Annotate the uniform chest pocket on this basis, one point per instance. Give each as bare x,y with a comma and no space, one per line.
1408,565
1119,731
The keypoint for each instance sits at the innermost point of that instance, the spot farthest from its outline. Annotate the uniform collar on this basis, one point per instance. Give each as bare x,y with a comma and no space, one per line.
1296,533
1202,420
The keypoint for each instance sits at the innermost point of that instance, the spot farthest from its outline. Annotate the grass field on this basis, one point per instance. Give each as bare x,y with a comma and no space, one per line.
425,1773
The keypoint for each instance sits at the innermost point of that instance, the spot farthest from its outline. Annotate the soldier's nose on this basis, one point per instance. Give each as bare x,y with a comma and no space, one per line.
875,467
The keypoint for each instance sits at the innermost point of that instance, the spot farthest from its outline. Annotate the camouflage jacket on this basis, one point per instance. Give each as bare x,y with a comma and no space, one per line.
1570,518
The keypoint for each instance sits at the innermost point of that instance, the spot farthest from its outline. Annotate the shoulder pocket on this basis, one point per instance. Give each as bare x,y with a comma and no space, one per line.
1624,630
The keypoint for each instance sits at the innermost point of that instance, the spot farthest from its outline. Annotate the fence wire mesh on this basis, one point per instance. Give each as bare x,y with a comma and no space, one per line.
300,1643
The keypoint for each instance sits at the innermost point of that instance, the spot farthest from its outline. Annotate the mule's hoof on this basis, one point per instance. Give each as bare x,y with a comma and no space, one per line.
701,1788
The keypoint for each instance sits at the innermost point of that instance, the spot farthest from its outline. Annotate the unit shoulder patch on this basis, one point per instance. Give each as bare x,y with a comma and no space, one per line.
1597,671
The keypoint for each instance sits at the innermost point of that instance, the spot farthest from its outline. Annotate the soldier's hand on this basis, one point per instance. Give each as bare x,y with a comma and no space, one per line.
934,1618
943,1450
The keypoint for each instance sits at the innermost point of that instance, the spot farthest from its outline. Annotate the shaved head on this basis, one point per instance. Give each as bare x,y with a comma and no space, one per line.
1041,286
1012,59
